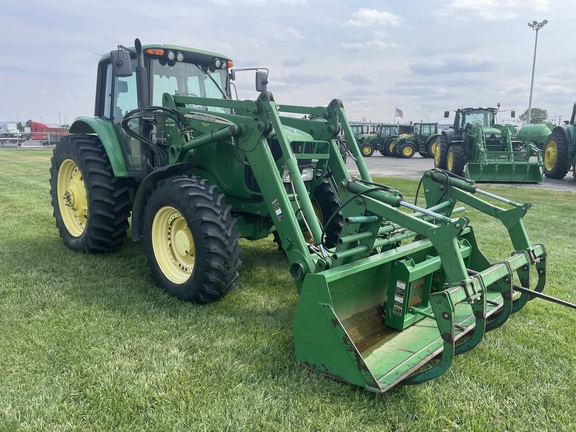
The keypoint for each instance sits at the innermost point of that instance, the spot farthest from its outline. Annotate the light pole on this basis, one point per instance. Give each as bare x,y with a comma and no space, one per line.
535,25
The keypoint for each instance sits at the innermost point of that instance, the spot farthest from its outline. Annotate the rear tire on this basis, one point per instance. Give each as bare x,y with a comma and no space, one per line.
190,239
90,205
556,156
441,153
388,148
456,160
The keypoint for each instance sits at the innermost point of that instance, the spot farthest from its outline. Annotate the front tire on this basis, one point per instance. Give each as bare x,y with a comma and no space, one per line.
441,153
90,205
456,160
556,156
190,239
367,149
407,150
327,205
431,148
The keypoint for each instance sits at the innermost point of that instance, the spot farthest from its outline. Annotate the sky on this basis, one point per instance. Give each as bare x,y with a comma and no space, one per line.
422,57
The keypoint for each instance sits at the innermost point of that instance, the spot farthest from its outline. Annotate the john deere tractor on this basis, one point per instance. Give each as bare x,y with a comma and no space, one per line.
389,291
364,132
560,149
479,149
421,140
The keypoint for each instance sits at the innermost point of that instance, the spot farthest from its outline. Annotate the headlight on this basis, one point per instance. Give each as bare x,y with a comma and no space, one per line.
307,174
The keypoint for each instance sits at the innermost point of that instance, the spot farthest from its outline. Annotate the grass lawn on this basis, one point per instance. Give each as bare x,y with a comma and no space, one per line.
88,342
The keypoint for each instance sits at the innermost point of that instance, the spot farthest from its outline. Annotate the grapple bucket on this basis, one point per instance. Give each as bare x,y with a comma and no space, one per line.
400,313
499,171
513,166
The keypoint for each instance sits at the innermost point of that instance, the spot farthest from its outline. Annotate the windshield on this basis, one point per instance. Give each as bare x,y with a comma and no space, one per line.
387,131
480,117
187,79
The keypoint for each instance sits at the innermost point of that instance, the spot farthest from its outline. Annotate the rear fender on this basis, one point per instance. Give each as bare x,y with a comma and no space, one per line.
107,132
569,131
431,139
140,197
448,135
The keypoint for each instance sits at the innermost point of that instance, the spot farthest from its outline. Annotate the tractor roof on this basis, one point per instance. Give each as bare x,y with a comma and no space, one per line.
201,53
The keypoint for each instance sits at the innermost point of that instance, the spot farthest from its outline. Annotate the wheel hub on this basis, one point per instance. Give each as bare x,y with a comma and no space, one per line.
182,242
73,198
550,155
173,244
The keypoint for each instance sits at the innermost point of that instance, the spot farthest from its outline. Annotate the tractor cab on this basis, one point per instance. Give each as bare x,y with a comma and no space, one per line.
128,81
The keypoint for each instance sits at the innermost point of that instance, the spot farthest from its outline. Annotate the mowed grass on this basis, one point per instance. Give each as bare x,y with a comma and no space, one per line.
88,342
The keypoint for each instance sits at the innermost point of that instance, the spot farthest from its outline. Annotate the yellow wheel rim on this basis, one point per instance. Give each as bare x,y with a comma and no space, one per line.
391,146
72,198
450,161
408,151
550,155
366,150
173,245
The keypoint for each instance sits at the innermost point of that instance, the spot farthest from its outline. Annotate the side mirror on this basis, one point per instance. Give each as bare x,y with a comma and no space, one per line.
512,113
446,114
261,80
121,63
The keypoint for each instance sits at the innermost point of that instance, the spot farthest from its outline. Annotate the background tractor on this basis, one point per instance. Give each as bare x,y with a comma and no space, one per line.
480,149
421,140
364,132
389,291
560,149
388,135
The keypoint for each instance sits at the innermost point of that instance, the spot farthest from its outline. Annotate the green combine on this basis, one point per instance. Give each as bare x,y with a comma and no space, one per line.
389,291
479,149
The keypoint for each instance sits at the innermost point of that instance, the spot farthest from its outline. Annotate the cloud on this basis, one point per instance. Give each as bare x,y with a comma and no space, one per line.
451,65
373,18
293,62
303,79
369,44
492,10
357,79
252,3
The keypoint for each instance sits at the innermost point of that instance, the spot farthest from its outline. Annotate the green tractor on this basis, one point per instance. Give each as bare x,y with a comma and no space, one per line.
560,149
365,132
422,140
481,150
389,292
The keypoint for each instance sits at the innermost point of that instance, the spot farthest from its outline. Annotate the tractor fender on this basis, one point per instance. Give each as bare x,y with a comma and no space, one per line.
431,138
140,196
449,135
569,132
108,135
